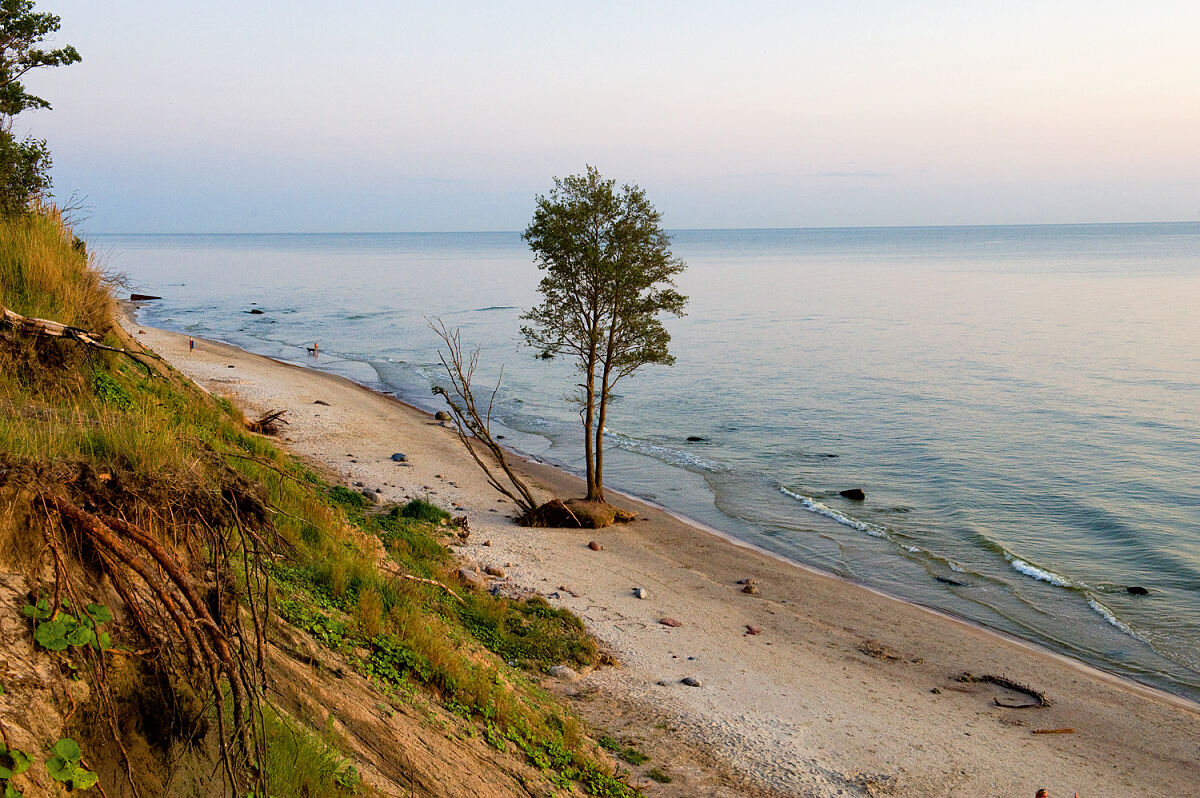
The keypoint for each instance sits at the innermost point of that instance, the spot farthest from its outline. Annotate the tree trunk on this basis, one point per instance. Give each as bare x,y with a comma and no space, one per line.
589,414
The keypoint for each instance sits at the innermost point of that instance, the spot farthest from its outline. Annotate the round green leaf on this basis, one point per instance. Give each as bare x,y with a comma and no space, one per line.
60,769
84,779
68,749
81,636
21,761
99,613
51,635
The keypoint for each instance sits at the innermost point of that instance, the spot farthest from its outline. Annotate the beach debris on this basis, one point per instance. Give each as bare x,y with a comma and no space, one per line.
464,528
854,494
935,691
751,629
441,415
948,581
370,496
1053,731
358,484
399,457
566,589
563,672
594,546
142,297
691,681
321,402
1137,590
268,423
873,648
696,439
641,592
487,542
496,571
670,622
1039,698
469,578
751,587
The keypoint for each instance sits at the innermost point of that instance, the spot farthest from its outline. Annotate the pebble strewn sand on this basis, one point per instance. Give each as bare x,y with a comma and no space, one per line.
844,691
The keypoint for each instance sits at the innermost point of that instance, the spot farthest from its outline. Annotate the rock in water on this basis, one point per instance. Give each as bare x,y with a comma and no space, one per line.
1137,590
854,494
641,592
255,312
400,458
692,681
696,439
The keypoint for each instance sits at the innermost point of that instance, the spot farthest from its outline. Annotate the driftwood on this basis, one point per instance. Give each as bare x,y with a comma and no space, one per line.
396,572
268,423
30,326
1039,698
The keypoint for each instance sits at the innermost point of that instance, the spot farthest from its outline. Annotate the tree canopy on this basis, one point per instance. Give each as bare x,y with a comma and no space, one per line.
608,277
24,165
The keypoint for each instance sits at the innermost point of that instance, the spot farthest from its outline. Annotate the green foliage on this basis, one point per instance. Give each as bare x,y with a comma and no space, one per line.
58,632
608,275
66,766
13,762
421,510
109,391
659,775
625,752
24,172
301,762
347,498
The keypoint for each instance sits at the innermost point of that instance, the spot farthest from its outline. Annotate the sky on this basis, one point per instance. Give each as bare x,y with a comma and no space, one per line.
369,115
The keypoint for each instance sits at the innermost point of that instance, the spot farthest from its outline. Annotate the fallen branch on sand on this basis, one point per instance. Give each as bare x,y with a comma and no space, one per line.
268,423
1053,731
56,329
401,575
1039,698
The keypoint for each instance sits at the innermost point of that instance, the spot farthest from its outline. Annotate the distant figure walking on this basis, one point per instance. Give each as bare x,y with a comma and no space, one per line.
191,344
315,348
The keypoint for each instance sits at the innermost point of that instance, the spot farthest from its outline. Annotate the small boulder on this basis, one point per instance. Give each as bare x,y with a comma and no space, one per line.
399,458
641,592
469,577
696,439
691,681
674,624
594,546
255,312
370,496
854,494
487,542
1137,590
563,672
751,629
496,571
441,415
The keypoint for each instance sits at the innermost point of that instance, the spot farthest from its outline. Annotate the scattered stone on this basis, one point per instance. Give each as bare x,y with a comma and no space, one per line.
696,439
563,672
321,402
370,496
499,437
1137,590
487,542
469,577
663,683
399,458
670,622
229,366
854,494
691,681
594,546
936,691
751,629
749,580
496,571
441,415
255,312
641,592
358,484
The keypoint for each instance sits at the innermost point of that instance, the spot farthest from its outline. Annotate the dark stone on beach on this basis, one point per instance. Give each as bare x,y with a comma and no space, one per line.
594,546
674,624
255,311
948,581
441,415
696,439
370,496
399,458
229,366
142,297
1137,590
854,494
691,681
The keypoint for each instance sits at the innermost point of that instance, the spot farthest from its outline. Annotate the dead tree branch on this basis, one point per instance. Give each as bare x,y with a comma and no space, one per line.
55,329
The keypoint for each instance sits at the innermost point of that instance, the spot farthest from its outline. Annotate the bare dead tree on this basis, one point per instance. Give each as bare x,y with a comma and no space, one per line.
469,421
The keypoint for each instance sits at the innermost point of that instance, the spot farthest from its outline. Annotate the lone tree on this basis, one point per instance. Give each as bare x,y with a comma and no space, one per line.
24,165
609,275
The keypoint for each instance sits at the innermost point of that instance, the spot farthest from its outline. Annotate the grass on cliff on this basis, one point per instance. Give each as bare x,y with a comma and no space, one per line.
162,453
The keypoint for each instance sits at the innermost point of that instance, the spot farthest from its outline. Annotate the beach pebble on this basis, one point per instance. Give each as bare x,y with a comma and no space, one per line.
441,415
751,629
670,622
691,681
399,458
641,592
563,672
370,496
594,546
494,570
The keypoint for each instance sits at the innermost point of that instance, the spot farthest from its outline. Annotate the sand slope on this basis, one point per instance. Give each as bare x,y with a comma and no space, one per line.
845,691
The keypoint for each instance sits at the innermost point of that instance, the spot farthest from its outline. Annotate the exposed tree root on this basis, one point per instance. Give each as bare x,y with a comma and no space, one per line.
55,329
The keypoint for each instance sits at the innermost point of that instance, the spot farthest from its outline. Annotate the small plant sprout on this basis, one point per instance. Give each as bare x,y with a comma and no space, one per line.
66,766
12,763
57,632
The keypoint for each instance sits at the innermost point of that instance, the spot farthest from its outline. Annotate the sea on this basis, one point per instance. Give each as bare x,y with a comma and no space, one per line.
1020,405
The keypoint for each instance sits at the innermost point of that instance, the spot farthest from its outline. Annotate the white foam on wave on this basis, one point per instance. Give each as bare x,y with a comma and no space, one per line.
1108,615
666,454
812,505
1040,574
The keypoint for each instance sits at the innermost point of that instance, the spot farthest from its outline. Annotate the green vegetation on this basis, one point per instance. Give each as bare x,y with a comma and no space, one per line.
659,775
609,273
66,766
379,588
13,762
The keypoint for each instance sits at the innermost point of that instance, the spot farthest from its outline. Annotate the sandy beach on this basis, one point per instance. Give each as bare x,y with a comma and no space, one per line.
842,690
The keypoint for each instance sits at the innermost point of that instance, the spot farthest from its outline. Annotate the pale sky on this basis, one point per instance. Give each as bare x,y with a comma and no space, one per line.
370,115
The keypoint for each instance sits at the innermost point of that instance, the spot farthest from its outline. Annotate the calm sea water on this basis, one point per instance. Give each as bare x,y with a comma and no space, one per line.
1020,404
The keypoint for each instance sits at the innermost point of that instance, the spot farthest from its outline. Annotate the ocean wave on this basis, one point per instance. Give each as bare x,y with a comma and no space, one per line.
1109,616
812,505
666,454
1040,574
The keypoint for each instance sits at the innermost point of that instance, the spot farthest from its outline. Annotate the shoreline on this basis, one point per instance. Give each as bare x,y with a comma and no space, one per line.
825,660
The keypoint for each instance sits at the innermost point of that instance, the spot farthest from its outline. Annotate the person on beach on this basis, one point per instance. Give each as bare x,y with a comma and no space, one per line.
191,344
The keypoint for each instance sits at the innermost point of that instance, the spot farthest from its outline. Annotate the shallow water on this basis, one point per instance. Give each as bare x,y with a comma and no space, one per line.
1020,404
